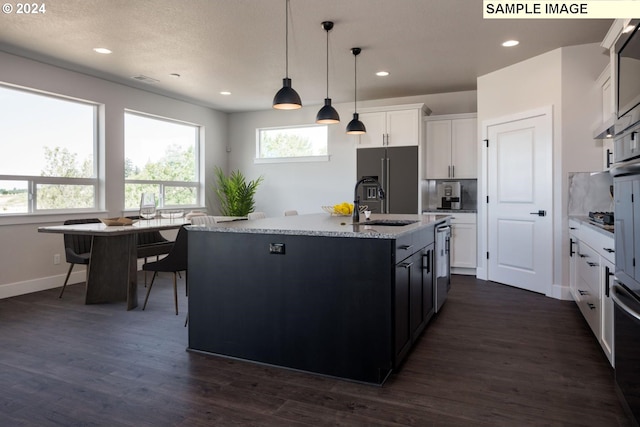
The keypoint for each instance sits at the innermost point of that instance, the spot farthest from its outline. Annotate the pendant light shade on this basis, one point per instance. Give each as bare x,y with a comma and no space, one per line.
355,126
327,114
287,98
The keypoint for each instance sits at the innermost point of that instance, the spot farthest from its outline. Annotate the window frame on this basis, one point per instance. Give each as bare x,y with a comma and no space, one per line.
33,181
290,159
198,184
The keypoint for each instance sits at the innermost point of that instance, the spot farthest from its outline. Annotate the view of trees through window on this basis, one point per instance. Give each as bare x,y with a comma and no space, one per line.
301,141
161,157
52,163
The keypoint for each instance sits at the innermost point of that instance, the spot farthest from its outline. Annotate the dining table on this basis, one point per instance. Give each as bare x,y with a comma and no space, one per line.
113,263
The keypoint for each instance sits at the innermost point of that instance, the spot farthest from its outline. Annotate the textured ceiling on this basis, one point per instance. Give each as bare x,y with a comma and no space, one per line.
428,46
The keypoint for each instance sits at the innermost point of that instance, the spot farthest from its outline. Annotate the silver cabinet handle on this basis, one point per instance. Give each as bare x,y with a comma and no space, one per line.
406,264
453,171
405,247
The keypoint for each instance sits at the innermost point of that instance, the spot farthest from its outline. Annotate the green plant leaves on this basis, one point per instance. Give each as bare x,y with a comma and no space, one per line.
235,194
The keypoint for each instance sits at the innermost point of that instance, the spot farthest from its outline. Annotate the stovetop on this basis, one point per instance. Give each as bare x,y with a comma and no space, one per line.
602,218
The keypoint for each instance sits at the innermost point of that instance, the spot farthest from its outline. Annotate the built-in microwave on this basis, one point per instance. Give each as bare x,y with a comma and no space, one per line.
627,50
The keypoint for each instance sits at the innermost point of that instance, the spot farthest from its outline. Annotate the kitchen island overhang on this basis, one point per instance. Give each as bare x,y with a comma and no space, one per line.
311,292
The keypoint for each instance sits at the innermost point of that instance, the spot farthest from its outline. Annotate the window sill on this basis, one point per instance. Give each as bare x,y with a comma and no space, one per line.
305,159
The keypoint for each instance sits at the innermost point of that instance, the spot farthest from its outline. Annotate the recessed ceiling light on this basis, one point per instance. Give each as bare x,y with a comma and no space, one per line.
224,92
102,50
382,73
510,43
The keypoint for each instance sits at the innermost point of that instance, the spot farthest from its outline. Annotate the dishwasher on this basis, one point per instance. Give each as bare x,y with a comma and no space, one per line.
442,264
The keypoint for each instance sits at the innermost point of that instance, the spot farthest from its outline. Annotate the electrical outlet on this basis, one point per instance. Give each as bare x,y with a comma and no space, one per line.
56,259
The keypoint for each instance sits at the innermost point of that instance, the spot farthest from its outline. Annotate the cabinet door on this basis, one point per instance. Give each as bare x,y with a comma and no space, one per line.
607,311
464,149
623,191
428,303
416,300
402,295
376,126
438,150
573,272
403,128
463,245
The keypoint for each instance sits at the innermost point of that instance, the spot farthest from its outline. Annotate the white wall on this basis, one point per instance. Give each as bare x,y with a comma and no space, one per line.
308,186
563,79
26,256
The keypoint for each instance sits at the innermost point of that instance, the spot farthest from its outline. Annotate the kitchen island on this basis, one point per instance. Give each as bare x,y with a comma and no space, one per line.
313,292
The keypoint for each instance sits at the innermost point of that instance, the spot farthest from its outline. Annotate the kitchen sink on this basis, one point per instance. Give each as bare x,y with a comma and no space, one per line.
389,222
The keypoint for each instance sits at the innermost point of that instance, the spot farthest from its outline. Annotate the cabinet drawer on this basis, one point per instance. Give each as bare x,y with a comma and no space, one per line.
463,218
606,248
588,269
405,246
589,305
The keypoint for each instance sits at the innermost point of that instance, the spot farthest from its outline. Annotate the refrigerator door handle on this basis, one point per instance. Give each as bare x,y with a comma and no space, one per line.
387,185
382,172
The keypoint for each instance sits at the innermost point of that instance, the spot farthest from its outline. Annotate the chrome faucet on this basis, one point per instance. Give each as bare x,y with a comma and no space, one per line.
356,198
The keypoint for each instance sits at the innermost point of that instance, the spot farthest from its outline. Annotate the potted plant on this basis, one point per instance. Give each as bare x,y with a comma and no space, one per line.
235,194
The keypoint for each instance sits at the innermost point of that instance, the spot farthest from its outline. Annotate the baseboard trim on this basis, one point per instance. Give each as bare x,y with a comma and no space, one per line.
561,292
41,284
463,271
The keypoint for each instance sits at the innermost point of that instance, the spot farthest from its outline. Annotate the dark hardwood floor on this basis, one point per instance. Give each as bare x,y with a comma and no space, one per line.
494,356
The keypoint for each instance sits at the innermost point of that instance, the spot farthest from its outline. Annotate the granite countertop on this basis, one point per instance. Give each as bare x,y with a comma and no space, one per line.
326,225
584,220
448,211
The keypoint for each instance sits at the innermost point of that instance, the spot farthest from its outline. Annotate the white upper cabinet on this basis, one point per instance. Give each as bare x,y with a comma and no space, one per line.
393,127
452,147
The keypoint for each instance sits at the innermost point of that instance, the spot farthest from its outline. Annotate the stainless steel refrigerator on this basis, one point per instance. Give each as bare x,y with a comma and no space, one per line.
396,169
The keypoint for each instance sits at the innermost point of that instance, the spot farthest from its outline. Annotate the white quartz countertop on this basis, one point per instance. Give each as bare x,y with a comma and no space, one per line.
606,230
326,225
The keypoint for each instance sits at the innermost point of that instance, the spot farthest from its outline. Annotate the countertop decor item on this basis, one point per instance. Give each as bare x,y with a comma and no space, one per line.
343,209
118,221
235,194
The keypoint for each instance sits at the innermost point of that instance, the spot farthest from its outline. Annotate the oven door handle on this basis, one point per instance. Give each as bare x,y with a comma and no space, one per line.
617,288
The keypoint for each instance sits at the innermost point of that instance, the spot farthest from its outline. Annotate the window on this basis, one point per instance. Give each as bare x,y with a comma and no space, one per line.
296,143
161,156
49,161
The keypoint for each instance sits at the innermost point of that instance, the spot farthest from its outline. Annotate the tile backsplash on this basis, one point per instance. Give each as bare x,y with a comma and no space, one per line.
590,192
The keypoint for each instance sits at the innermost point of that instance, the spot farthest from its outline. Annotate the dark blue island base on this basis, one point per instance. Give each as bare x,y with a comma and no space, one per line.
345,307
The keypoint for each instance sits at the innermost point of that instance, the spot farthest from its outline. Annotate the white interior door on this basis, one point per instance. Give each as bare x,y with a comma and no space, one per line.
519,186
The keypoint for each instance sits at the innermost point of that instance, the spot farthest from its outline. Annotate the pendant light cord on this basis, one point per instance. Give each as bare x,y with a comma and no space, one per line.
355,81
286,38
328,63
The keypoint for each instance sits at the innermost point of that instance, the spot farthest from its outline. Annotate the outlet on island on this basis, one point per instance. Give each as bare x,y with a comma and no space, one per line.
56,259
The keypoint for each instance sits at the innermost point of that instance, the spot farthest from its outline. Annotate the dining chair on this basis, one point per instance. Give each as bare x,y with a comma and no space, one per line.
204,220
174,262
149,244
77,248
256,215
290,212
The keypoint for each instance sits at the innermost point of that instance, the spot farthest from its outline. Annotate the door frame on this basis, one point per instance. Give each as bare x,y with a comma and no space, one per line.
482,271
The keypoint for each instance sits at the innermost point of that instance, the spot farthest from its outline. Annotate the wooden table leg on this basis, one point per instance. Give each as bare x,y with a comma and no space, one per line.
113,270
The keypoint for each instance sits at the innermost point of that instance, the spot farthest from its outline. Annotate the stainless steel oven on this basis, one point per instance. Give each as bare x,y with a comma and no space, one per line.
627,345
625,292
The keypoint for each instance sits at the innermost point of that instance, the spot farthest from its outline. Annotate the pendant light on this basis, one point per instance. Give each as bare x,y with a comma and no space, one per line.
355,126
287,98
327,114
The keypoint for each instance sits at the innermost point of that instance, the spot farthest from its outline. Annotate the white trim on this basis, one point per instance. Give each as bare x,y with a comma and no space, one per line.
41,284
561,292
451,117
385,108
292,159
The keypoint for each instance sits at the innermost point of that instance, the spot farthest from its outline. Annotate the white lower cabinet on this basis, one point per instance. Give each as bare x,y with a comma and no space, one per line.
590,271
463,243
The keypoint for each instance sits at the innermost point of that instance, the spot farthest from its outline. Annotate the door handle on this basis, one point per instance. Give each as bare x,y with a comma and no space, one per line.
539,213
